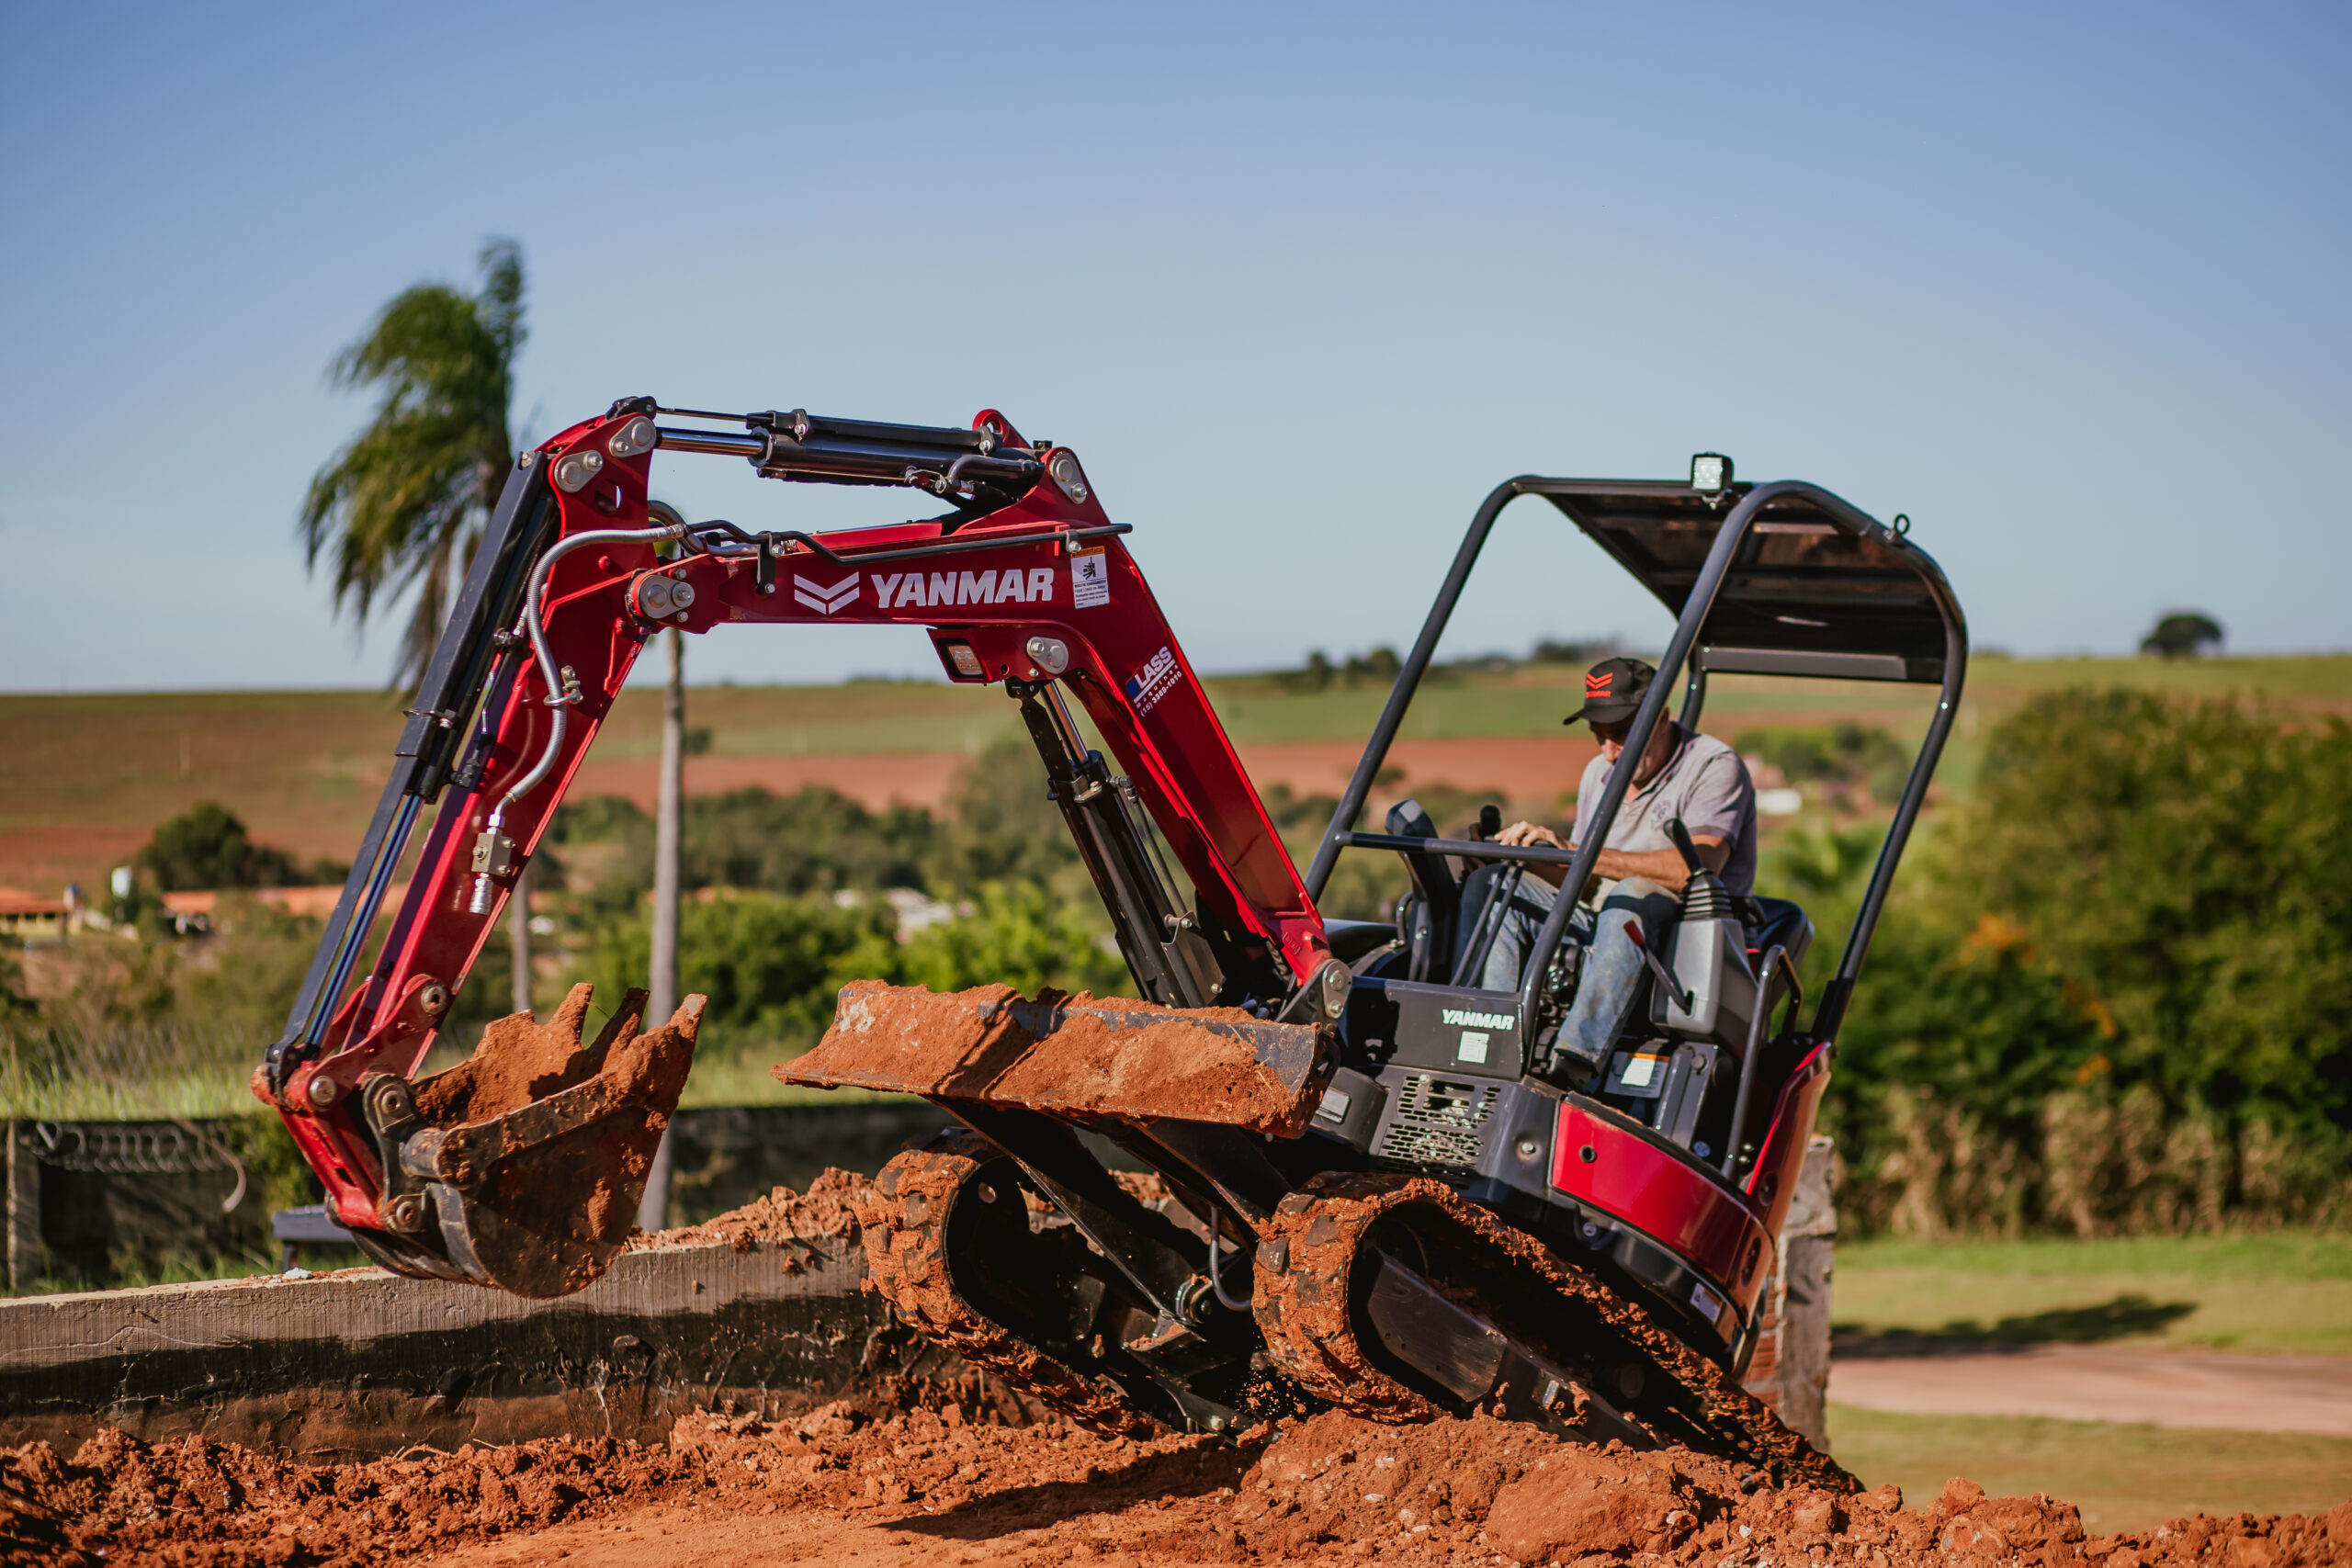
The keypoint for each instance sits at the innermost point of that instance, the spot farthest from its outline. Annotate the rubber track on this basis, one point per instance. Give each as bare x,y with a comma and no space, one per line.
1308,1252
905,1228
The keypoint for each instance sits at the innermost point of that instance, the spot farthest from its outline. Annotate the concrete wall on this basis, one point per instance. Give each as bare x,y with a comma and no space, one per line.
100,1199
362,1362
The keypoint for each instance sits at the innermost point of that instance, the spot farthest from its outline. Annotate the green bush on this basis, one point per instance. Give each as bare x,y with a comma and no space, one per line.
769,963
1840,756
1021,935
207,847
2113,993
815,840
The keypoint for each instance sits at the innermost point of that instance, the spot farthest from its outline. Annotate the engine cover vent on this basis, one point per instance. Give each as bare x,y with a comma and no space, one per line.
1437,1122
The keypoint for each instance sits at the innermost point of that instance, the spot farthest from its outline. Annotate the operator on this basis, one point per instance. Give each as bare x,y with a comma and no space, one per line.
1682,774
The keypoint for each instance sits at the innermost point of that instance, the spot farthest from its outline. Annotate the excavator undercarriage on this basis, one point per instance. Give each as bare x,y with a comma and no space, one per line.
1310,1165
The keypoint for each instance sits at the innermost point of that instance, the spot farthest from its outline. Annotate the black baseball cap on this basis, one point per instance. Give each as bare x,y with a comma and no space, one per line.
1612,691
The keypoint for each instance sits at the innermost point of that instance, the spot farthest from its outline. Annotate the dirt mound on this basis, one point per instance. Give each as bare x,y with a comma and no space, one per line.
938,1463
119,1500
828,1208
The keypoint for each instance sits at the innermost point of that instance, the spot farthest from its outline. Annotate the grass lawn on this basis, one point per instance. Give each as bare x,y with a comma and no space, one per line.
2121,1477
2287,1293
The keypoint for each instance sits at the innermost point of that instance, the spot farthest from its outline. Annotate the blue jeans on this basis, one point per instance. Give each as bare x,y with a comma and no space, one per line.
1613,965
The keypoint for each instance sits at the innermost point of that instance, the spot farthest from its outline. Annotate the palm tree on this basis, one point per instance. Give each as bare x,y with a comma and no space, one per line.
403,505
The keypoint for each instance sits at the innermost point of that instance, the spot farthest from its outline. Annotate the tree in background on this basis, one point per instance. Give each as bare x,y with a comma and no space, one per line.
207,847
2112,992
404,504
2184,634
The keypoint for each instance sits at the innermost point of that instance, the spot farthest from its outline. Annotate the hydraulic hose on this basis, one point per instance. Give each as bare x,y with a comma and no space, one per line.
562,693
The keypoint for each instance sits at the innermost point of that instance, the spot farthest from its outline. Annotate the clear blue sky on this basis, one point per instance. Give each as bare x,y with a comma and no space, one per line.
2066,283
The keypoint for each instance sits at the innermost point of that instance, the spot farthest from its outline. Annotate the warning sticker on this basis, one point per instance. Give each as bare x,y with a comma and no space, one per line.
1153,681
1090,579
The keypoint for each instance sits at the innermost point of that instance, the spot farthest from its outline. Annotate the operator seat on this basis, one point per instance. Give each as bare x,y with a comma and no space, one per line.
1777,921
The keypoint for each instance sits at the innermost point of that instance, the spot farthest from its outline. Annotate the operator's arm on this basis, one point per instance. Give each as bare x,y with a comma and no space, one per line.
1664,867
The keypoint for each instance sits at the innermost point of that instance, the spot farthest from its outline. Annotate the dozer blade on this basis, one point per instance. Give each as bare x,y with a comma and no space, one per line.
529,1157
1071,1055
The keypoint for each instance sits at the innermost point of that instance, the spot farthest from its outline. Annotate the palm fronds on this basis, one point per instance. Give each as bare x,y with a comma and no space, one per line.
402,505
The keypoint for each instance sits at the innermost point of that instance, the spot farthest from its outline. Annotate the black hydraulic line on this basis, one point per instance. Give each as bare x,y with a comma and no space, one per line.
910,552
1144,918
1408,679
1144,1244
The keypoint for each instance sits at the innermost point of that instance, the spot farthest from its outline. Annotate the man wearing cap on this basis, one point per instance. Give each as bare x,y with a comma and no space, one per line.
1682,774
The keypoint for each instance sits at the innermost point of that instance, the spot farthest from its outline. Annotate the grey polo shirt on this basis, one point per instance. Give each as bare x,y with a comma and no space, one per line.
1703,783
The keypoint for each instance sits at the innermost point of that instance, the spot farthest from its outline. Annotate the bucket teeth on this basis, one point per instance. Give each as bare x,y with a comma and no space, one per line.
536,1147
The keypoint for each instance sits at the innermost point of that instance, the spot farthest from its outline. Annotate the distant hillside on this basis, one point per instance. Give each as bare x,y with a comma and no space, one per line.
85,778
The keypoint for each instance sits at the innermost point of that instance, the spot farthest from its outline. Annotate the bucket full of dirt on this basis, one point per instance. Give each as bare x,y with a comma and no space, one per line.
528,1158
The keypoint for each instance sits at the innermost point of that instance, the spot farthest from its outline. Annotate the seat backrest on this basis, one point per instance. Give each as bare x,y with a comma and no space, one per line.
1432,908
1785,925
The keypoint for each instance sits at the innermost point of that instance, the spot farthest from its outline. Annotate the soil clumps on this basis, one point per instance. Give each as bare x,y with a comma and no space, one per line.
829,1209
941,1466
549,1143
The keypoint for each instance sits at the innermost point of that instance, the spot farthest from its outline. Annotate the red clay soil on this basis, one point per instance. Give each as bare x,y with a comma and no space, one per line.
959,1470
547,1217
828,1209
519,1061
933,1474
908,1040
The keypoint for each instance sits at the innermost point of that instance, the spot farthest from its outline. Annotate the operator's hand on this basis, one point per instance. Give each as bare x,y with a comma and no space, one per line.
1522,833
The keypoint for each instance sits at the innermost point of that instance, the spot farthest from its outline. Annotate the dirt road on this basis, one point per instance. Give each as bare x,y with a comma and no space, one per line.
2080,1382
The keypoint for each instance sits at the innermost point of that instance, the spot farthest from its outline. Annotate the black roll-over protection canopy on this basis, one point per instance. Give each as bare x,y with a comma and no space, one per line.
1803,596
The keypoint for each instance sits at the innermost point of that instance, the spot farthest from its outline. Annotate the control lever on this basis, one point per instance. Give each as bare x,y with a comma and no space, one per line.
1684,847
1490,820
1682,999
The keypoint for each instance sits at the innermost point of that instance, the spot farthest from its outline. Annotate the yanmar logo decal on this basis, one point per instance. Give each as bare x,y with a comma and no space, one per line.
1013,585
1462,1018
823,600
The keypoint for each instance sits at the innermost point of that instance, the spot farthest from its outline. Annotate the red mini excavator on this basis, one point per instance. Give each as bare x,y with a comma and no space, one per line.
1370,1194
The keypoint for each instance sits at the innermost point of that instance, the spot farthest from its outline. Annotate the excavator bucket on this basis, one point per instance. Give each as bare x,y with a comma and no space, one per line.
1072,1055
529,1157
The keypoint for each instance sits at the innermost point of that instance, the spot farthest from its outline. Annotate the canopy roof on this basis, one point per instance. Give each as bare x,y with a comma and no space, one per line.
1816,588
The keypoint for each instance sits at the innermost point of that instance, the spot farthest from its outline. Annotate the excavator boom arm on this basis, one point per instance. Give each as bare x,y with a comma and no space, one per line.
1027,583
